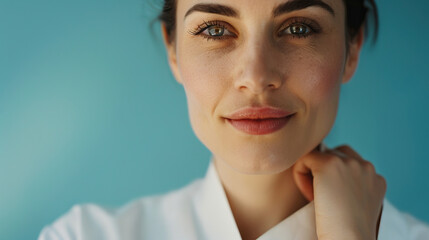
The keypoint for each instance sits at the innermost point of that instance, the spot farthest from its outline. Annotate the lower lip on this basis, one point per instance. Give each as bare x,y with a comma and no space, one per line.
260,126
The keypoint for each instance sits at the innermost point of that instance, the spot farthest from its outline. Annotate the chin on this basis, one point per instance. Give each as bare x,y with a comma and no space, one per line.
260,162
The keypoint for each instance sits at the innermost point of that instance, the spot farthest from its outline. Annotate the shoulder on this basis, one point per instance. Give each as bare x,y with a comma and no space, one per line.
399,225
140,218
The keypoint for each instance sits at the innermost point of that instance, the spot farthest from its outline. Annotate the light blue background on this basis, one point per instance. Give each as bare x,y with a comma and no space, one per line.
89,111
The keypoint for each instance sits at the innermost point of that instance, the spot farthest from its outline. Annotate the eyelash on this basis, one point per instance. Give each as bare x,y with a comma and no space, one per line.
207,24
314,28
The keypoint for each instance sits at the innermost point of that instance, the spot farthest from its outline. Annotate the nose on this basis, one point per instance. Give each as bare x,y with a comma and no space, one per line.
257,68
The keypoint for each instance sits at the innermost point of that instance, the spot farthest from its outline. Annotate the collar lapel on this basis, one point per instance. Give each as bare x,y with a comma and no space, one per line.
216,221
212,208
301,225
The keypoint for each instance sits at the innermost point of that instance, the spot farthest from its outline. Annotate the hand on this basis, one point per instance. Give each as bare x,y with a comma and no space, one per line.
347,192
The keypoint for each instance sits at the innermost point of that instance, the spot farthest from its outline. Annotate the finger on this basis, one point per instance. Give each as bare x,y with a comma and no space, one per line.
349,156
304,182
303,172
338,153
348,151
382,181
311,162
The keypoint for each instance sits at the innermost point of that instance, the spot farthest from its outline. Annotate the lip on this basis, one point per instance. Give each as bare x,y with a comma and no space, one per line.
259,120
258,113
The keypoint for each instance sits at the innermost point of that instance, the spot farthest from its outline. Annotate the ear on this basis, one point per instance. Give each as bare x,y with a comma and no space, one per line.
352,60
170,46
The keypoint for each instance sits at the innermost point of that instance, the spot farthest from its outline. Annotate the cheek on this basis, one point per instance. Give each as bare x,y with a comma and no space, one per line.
205,74
204,79
319,79
323,86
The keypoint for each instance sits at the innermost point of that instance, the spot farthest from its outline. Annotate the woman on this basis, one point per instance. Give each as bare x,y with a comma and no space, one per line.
262,80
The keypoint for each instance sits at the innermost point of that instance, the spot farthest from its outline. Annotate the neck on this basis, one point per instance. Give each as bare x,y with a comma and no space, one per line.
259,202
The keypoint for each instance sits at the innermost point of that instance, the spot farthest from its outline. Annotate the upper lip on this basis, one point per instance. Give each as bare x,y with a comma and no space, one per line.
258,113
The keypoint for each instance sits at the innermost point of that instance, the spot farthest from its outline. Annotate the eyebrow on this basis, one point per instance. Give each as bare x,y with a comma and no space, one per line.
286,7
213,8
295,5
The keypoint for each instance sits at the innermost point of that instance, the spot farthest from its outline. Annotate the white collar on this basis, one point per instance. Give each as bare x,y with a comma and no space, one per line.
217,221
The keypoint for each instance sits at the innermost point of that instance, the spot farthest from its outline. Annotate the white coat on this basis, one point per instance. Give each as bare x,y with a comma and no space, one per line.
201,211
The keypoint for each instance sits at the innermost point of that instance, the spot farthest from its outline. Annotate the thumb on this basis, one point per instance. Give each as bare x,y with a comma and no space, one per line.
303,175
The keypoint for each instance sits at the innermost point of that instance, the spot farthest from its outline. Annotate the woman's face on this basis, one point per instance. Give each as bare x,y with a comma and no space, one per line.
290,55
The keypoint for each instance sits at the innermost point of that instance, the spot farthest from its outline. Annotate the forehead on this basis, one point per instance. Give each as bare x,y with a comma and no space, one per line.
262,8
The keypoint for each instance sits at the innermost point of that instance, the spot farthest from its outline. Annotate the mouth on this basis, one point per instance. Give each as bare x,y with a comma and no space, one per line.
259,126
259,121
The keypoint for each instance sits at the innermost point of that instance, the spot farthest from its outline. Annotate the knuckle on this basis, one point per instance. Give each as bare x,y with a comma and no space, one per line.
334,161
340,154
382,181
344,147
354,163
369,166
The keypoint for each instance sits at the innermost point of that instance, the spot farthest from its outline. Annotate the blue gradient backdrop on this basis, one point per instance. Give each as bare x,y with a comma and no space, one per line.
89,111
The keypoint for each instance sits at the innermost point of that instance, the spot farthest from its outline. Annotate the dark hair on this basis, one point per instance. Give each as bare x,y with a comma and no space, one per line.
356,17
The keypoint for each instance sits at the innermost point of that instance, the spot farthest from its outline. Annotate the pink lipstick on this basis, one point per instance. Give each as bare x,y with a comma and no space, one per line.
259,120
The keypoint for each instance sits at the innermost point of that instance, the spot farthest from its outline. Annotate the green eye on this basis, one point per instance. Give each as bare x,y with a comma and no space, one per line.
215,31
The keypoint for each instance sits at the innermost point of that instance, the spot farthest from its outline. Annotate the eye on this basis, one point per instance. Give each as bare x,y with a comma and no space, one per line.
298,30
214,30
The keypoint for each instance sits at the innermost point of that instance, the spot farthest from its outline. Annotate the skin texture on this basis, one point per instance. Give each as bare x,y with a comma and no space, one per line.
257,62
